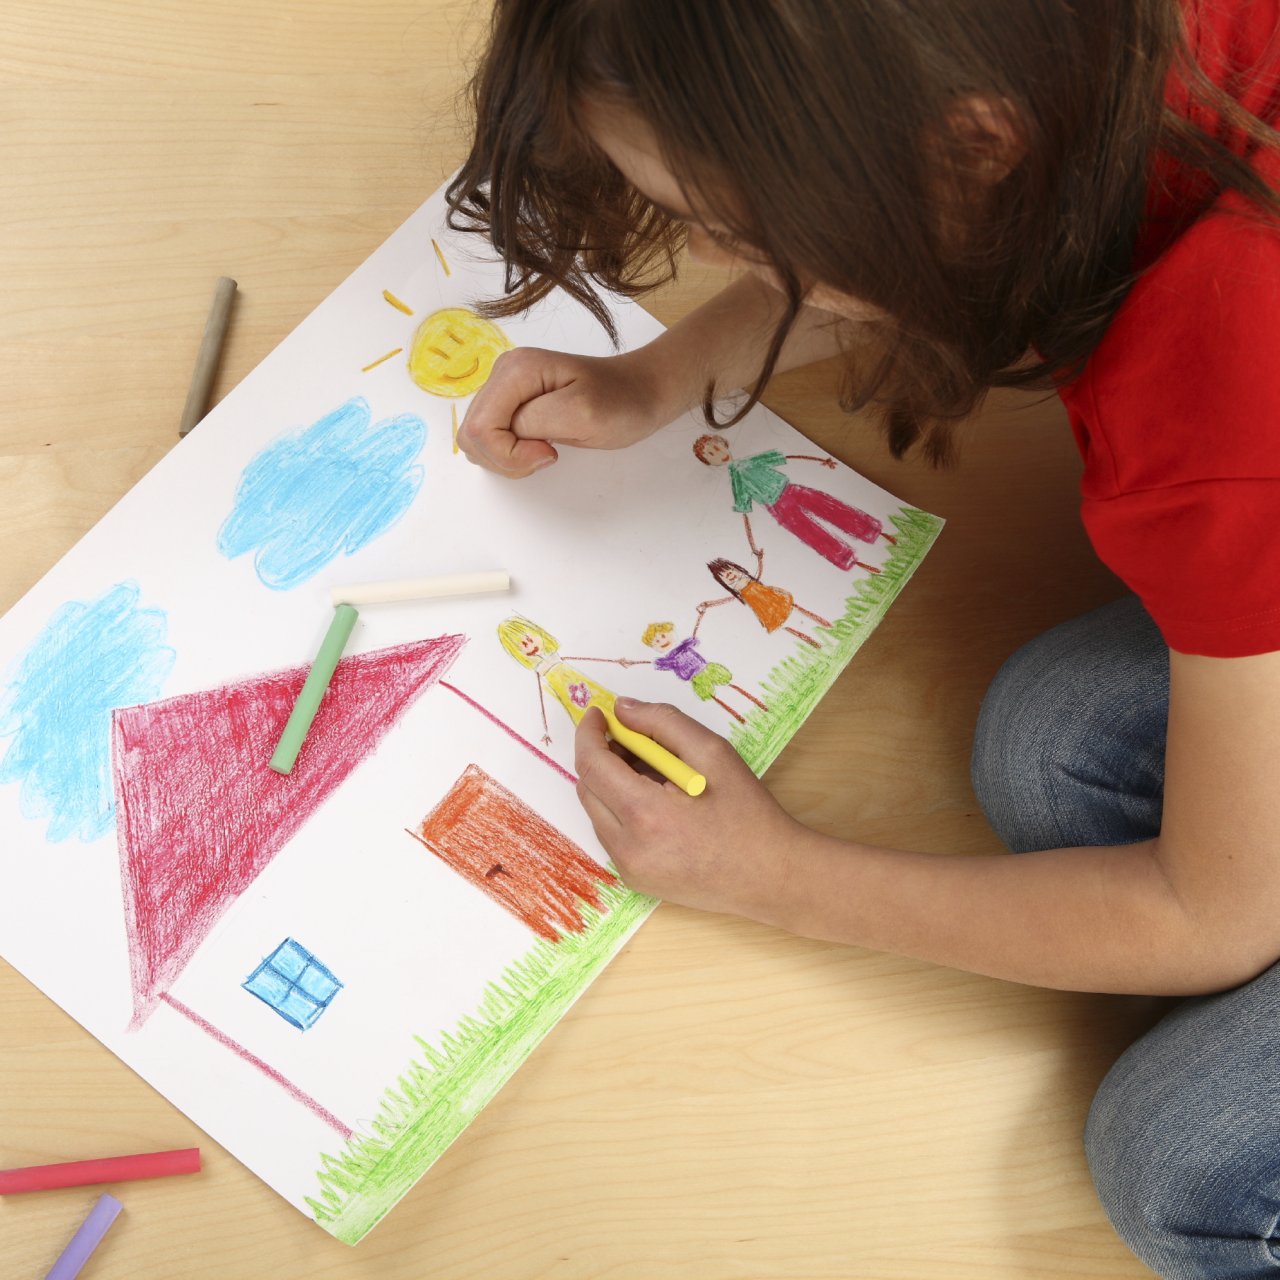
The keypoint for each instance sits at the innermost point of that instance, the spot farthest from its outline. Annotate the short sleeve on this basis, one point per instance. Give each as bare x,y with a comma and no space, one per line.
1203,557
1177,414
739,483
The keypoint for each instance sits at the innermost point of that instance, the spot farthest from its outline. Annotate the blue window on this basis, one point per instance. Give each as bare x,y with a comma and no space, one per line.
294,983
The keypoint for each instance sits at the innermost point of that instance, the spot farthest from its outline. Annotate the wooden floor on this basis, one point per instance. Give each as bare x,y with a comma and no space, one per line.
726,1101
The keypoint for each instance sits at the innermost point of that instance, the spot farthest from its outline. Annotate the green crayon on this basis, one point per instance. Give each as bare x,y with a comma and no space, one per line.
312,692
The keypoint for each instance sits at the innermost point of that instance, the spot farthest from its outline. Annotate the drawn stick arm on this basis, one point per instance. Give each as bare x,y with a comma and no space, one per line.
710,604
621,662
542,704
809,613
751,542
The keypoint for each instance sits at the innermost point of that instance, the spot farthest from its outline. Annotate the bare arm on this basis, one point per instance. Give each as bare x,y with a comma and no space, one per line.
537,401
542,705
620,662
709,604
1196,910
725,341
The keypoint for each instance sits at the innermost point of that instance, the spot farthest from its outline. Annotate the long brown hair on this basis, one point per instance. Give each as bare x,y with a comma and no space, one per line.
810,129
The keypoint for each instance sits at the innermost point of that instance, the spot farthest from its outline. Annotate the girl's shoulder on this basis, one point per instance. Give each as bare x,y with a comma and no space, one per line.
1177,413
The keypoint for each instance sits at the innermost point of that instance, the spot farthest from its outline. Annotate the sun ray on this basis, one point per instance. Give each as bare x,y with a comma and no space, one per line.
453,408
381,359
395,302
443,261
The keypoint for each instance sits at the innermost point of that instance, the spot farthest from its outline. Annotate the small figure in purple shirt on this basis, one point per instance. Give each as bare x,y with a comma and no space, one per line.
684,660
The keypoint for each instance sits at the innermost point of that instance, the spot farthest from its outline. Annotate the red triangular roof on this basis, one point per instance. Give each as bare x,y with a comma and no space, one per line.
199,811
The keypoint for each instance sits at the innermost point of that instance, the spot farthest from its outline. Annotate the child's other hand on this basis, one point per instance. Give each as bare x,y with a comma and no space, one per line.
726,850
536,399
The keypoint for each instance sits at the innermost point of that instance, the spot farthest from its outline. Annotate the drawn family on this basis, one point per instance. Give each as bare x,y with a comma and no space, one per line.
754,480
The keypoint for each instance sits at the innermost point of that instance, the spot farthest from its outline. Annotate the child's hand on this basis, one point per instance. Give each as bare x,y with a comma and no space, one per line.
725,850
537,399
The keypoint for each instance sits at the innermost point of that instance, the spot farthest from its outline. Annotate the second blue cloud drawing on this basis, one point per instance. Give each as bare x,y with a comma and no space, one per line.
326,491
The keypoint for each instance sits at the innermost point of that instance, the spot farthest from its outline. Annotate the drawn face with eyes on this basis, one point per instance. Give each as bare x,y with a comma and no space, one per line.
712,450
453,352
662,639
733,577
529,645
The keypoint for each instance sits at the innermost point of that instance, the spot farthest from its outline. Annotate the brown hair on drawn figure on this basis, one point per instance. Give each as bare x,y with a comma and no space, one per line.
718,567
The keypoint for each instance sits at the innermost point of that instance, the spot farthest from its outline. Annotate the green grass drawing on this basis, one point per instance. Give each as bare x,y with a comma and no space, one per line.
796,685
438,1095
441,1092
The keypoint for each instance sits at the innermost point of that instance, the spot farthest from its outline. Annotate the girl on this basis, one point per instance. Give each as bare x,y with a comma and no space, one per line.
954,195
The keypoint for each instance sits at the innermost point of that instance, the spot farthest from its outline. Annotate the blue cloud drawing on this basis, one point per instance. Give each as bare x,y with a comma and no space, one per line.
91,657
326,491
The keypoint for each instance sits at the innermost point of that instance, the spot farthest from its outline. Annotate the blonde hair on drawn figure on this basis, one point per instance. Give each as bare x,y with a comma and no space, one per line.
511,629
651,631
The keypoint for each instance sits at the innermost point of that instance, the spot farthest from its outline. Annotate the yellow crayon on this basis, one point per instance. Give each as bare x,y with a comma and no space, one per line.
656,756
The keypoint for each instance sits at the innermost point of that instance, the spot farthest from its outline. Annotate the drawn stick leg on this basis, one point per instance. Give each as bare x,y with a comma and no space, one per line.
750,697
728,708
809,613
809,640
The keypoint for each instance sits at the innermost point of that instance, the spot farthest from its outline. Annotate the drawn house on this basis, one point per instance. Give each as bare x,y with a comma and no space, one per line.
201,820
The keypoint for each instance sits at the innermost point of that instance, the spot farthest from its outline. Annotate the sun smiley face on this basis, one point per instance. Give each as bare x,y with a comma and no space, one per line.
453,352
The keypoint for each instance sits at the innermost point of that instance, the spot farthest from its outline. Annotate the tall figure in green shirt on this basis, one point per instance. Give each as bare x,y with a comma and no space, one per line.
795,507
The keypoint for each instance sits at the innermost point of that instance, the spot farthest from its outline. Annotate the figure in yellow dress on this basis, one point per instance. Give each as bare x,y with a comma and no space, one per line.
533,647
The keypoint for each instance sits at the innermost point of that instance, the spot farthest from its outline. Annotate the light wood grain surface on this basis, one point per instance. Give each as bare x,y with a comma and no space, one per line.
726,1101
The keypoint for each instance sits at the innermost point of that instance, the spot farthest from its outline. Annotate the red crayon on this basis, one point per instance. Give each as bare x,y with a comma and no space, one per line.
83,1173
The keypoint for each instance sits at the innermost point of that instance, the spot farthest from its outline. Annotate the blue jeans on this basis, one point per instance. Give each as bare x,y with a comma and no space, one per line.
1183,1138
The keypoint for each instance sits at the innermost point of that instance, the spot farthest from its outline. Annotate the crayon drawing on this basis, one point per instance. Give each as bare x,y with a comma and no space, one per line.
456,1073
795,685
333,971
293,983
453,352
453,348
92,656
199,821
684,660
326,491
493,839
773,607
537,649
800,510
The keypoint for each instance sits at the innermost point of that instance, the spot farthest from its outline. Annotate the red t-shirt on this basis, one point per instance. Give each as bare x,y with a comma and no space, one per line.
1177,411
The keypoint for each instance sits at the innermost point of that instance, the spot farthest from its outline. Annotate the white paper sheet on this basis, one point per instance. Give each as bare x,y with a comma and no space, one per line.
143,890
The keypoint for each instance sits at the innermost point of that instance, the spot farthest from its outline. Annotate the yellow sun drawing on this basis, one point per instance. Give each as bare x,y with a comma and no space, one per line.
453,352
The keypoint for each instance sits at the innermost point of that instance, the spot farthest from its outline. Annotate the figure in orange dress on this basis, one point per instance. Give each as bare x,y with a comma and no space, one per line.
773,606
